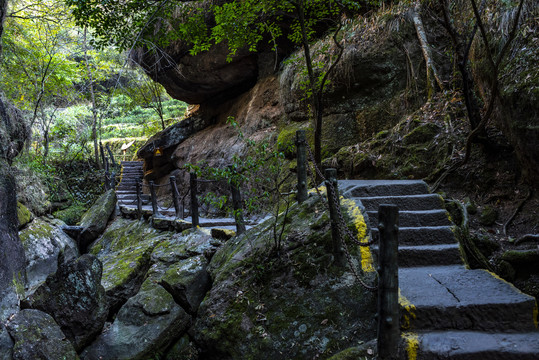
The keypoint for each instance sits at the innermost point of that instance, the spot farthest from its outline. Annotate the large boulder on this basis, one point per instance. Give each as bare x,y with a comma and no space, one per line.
95,220
148,323
44,242
166,141
180,73
187,281
37,336
125,250
75,298
326,310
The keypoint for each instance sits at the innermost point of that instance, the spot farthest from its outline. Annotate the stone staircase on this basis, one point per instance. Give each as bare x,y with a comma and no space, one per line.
447,311
126,191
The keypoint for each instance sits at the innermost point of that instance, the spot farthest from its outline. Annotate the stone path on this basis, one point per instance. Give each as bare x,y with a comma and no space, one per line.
447,311
126,191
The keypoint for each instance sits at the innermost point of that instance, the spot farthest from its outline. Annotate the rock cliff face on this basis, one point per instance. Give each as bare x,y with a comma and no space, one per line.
366,95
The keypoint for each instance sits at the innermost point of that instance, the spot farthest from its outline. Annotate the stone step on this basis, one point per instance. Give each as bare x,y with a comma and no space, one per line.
436,217
368,188
431,235
132,163
132,196
471,345
454,298
130,180
428,255
407,202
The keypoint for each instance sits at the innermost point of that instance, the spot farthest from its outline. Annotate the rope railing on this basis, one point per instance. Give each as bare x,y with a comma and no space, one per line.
388,308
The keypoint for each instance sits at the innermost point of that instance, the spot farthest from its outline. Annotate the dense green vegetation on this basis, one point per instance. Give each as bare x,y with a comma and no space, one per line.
71,94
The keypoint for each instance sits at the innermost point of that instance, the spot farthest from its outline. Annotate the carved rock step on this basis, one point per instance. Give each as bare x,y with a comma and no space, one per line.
369,188
426,235
407,202
471,345
452,297
436,217
428,255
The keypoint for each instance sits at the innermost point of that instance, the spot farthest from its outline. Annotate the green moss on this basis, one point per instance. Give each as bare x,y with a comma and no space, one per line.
286,141
39,230
71,215
24,215
488,215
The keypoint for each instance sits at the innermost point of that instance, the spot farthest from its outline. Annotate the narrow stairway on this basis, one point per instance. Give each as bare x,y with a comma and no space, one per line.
447,311
126,191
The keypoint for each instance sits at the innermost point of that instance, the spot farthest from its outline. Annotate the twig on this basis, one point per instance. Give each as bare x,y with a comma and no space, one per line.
520,205
527,237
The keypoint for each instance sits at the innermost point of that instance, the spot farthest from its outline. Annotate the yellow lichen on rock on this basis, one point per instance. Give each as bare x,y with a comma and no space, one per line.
367,262
409,313
412,345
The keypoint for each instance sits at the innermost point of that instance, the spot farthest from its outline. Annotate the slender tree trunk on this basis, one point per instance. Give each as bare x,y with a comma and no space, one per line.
316,103
92,95
433,77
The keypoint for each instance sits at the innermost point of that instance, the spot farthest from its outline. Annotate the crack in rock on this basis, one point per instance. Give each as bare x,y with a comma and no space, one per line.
448,289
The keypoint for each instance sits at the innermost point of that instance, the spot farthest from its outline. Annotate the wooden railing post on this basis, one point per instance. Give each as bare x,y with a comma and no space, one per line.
176,197
111,156
301,142
388,285
113,180
155,209
102,155
238,208
107,180
334,201
139,201
194,199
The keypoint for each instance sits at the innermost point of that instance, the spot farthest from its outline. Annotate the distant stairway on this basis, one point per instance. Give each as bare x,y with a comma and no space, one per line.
447,311
126,190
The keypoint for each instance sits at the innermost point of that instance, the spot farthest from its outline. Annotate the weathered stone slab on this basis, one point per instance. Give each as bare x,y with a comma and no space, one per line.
75,298
43,242
37,336
148,323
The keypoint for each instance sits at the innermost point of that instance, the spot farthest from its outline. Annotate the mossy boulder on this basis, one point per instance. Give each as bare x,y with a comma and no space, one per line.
524,262
125,249
37,336
192,242
187,280
75,298
24,215
43,242
255,274
148,323
95,220
488,216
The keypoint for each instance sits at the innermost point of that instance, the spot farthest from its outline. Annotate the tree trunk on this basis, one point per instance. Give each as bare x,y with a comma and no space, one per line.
433,77
92,95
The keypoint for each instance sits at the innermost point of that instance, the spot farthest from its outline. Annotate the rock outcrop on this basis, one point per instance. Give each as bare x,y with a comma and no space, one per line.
125,250
147,324
37,336
244,315
44,245
75,298
95,220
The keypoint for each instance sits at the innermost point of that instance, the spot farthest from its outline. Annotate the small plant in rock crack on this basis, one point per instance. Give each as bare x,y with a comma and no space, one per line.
261,175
